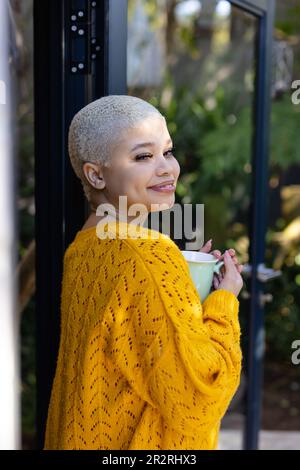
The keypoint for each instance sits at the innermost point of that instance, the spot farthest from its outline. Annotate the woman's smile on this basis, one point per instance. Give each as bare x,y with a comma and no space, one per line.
166,186
169,188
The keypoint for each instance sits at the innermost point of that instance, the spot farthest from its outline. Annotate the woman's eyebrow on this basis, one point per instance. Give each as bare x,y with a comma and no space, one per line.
147,144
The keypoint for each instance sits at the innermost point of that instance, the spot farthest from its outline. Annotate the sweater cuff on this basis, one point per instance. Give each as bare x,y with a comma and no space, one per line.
221,301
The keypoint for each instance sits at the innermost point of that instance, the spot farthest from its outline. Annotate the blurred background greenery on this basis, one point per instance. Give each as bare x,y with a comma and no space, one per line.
202,82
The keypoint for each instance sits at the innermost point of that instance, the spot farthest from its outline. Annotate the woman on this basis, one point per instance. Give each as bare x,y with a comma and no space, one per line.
142,364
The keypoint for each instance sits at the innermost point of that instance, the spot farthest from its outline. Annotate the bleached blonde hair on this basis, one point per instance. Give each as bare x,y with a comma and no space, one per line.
98,127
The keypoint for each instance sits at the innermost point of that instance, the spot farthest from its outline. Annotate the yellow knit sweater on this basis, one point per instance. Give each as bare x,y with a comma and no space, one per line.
142,364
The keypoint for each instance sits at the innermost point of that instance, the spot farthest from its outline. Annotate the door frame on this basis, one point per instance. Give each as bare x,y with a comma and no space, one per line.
59,202
264,10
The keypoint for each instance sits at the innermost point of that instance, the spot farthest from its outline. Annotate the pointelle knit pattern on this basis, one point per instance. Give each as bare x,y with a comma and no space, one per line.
142,363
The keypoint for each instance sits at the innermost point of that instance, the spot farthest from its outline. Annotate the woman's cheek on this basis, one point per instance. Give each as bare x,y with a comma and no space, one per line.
177,167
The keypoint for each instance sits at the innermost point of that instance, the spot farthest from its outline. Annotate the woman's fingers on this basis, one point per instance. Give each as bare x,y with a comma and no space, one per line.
206,247
240,268
229,264
218,277
216,253
216,282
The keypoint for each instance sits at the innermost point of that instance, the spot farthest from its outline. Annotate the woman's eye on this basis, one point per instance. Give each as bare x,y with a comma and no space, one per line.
141,157
170,153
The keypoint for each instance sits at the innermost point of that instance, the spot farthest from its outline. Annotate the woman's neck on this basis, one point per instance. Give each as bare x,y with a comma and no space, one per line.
114,217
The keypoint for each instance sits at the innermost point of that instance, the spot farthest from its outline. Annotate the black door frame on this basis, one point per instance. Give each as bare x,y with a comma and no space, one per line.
59,94
264,11
60,205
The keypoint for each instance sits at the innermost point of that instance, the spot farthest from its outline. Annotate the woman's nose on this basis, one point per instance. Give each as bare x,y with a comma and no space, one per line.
164,166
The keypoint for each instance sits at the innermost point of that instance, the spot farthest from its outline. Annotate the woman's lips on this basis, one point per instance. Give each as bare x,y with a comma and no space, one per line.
168,188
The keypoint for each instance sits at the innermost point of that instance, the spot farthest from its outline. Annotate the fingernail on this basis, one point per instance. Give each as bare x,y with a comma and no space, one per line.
209,241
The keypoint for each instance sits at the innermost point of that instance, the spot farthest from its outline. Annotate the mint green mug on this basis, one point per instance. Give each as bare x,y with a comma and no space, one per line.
202,268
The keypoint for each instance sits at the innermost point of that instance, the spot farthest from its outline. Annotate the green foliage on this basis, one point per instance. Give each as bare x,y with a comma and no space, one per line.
289,25
282,314
285,135
213,147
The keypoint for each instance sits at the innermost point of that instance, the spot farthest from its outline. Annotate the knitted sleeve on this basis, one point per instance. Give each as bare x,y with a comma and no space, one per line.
182,357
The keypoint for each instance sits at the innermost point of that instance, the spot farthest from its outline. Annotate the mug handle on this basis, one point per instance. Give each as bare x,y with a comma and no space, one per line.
217,267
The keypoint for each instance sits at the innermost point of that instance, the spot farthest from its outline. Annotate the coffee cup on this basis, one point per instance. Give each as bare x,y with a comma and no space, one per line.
202,267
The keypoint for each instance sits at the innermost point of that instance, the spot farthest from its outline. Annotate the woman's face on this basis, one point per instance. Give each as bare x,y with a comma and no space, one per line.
142,159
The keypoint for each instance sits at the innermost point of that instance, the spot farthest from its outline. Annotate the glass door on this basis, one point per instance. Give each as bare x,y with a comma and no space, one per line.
205,66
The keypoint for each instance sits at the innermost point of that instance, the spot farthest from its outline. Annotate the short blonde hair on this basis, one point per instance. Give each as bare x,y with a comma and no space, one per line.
98,127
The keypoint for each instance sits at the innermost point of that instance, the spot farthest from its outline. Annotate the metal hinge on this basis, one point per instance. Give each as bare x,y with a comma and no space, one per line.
84,46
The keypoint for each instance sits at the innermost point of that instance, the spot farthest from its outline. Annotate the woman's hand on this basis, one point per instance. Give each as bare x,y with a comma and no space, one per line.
217,279
232,280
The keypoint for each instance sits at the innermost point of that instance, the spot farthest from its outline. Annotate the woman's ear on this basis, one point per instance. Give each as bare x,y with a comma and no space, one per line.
93,175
